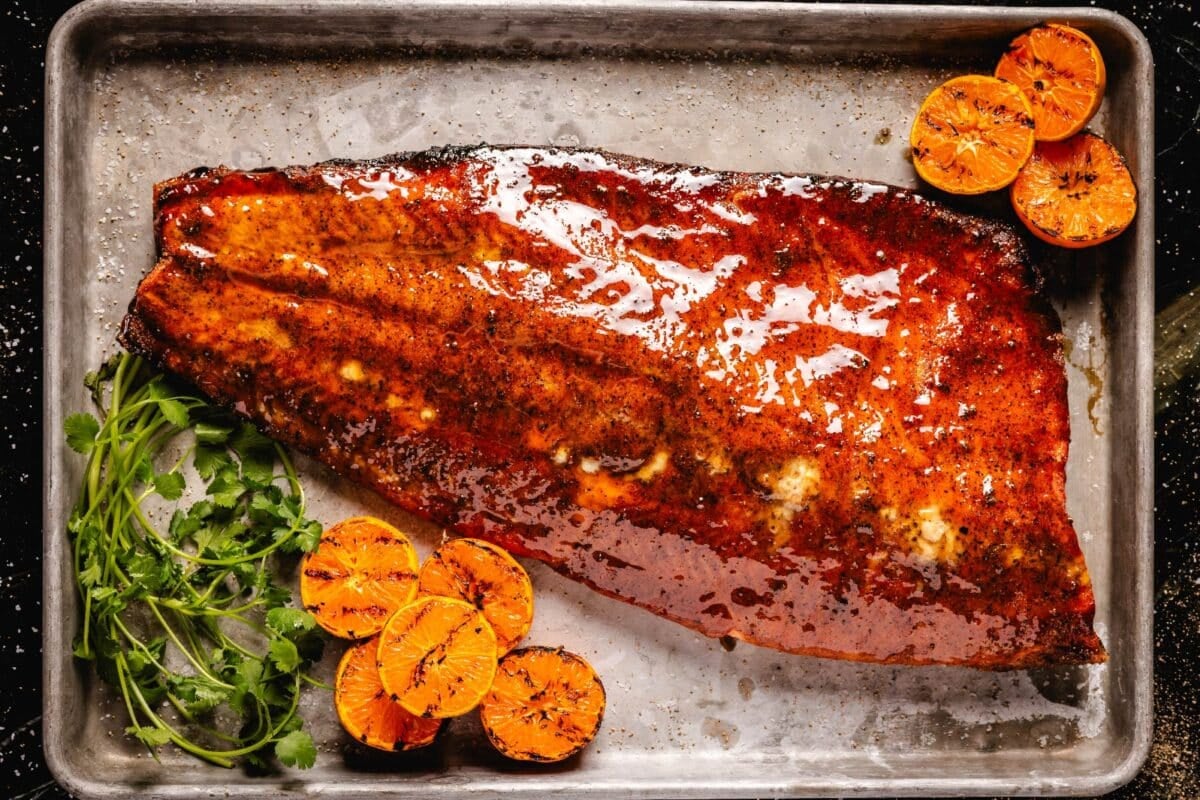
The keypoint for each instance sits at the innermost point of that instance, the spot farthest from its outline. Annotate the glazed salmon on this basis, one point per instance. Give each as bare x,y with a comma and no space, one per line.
817,415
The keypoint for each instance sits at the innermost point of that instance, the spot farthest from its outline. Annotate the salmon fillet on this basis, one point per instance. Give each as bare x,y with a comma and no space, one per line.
817,415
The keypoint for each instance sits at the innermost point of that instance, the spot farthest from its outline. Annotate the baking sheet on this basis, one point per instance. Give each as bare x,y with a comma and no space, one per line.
140,91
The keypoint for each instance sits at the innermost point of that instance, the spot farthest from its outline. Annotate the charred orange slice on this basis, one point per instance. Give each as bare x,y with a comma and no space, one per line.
545,705
487,577
360,573
1060,71
972,135
1075,193
437,657
366,711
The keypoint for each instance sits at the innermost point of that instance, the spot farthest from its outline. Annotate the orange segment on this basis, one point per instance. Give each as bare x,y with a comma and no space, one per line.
545,705
488,578
366,711
972,134
437,657
360,573
1075,193
1061,72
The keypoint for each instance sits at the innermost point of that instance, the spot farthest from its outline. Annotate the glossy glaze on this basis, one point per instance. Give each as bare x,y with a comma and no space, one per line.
821,416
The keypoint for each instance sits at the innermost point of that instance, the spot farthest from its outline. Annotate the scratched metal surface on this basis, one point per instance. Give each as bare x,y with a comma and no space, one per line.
133,100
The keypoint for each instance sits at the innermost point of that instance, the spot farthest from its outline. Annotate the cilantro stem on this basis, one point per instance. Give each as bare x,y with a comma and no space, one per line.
187,652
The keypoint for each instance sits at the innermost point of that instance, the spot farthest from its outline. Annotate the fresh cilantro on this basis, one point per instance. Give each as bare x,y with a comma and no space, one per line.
210,459
306,538
248,441
169,485
81,430
290,622
198,695
90,574
96,381
151,737
143,662
167,614
174,411
284,655
211,433
142,469
273,594
296,750
226,488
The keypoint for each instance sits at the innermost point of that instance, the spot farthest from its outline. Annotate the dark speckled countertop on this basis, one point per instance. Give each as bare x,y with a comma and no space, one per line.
1173,28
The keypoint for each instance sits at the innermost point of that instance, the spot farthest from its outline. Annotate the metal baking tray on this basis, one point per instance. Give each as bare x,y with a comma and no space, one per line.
141,90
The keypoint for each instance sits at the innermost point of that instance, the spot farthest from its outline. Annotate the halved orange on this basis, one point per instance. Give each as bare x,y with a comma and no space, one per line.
366,711
972,134
437,657
360,574
1060,70
545,705
1075,193
487,577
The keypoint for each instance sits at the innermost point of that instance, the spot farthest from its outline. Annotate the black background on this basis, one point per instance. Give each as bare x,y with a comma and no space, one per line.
1173,29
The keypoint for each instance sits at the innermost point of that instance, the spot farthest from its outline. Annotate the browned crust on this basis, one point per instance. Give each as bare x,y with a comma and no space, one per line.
1038,615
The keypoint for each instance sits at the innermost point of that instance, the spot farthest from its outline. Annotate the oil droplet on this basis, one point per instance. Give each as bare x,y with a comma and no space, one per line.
724,732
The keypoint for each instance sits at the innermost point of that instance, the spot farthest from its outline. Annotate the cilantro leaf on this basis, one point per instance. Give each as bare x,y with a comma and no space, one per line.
304,539
284,655
246,677
274,595
294,723
142,469
105,651
290,622
151,737
265,508
247,440
175,412
259,467
212,434
198,694
309,536
90,575
94,381
296,750
210,459
226,488
149,573
169,485
141,662
83,649
185,526
81,430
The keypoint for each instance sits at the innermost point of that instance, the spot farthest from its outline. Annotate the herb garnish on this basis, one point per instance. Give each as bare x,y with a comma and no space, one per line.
191,617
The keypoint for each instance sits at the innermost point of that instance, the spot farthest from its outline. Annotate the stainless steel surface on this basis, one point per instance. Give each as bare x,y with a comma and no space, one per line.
139,91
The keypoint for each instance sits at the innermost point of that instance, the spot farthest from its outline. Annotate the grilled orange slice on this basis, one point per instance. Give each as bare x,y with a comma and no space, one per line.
366,711
437,657
487,577
1075,193
972,134
1060,70
360,573
545,705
